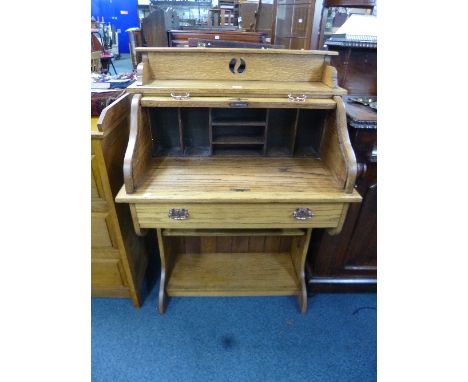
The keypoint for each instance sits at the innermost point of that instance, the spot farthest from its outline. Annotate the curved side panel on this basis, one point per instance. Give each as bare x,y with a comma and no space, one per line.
345,146
138,154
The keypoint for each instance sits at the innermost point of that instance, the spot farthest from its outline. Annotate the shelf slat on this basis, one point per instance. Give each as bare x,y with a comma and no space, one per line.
239,123
238,140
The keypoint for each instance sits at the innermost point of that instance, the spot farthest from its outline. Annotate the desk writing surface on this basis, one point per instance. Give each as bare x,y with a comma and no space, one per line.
237,179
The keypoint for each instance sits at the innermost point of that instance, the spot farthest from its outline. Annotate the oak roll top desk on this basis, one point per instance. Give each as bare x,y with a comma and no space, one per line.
234,156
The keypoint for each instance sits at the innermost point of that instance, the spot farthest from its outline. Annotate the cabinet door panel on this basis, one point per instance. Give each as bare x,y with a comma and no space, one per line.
106,273
100,232
96,184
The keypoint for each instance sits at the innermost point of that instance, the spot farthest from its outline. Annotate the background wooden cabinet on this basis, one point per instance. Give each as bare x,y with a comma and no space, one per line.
293,23
348,261
118,257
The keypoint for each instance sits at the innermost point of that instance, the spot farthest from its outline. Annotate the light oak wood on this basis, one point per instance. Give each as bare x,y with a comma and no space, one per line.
211,215
97,191
100,234
225,102
166,263
299,247
237,179
136,224
113,115
107,272
236,88
143,73
118,259
336,150
233,274
345,146
138,153
185,64
241,236
110,291
330,76
232,233
105,253
273,72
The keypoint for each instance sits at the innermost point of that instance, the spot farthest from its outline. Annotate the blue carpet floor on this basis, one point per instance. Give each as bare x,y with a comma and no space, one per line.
235,339
123,64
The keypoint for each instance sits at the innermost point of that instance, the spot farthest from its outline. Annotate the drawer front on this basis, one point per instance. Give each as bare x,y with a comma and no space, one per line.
324,215
107,273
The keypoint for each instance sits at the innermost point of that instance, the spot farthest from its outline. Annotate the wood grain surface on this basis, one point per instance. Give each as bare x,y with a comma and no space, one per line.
204,215
138,153
238,179
225,102
115,248
233,274
187,65
336,150
299,247
236,88
233,232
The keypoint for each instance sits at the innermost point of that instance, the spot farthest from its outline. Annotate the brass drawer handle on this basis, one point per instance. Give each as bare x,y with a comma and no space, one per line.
300,98
180,97
302,213
178,214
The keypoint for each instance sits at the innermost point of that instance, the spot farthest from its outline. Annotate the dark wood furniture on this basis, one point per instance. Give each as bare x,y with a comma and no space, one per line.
255,18
294,23
154,27
357,67
320,38
179,38
197,42
348,261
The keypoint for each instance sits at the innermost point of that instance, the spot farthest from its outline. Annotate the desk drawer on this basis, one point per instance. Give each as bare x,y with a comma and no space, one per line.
202,215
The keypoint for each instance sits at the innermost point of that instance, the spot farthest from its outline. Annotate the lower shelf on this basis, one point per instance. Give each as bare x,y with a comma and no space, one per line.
233,274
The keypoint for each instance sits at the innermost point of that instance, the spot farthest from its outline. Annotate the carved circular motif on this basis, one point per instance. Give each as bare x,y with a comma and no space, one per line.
237,65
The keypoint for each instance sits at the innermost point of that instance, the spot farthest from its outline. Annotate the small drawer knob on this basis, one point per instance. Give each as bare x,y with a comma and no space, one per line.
178,214
302,213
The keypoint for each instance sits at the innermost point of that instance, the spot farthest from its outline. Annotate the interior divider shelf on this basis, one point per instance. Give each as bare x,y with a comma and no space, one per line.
239,141
239,123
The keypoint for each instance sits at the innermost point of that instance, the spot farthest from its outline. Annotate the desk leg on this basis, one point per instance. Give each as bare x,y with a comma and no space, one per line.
299,248
163,253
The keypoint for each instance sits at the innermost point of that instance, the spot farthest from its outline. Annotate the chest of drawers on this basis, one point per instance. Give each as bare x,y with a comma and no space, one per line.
118,256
